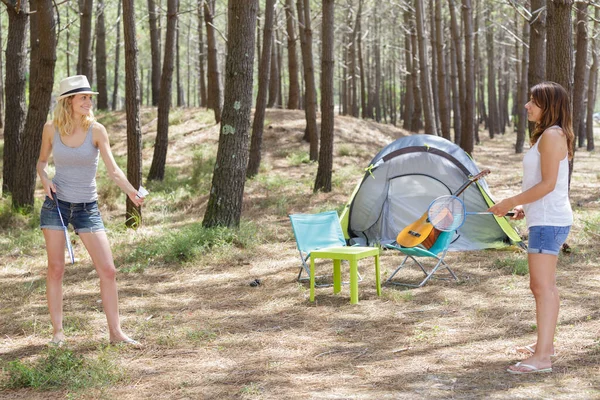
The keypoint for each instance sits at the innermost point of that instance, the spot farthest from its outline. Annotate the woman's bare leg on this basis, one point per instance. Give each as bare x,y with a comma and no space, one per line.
55,248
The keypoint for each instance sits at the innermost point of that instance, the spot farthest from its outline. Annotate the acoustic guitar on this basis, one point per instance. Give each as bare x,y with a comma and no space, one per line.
422,231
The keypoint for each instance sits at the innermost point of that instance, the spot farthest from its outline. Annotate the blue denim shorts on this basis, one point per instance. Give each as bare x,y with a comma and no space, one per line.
84,217
547,239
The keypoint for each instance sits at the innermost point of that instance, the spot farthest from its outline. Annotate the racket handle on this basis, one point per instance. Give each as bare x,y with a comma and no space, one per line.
508,214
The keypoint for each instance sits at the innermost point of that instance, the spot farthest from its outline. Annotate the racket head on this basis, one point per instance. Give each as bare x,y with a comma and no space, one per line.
447,213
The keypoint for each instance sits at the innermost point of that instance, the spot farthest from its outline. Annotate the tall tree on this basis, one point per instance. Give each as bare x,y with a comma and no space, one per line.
84,61
115,93
273,76
214,85
593,83
39,103
427,101
294,91
157,169
457,63
581,70
522,97
101,58
310,94
201,58
133,214
468,123
324,171
537,46
264,72
225,200
493,114
15,80
153,16
441,73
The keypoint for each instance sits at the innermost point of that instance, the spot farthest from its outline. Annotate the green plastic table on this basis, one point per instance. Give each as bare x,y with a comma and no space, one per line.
350,254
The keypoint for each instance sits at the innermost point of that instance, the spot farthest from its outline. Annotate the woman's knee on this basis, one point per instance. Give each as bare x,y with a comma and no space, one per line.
543,288
107,271
56,270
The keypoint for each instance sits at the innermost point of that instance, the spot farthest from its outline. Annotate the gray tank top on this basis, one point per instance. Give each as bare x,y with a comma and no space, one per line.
75,177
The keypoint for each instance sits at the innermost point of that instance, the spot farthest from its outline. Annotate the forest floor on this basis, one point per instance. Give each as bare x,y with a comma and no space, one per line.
208,334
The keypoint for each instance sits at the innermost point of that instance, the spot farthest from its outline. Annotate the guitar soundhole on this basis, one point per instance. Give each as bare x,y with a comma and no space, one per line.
415,234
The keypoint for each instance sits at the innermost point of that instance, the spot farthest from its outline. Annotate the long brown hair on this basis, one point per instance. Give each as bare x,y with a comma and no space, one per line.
555,103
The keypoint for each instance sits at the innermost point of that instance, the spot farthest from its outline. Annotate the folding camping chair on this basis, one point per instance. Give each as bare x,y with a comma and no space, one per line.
440,246
320,236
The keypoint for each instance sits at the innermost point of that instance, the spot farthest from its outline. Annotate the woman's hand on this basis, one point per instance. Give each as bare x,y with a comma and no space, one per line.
502,208
49,187
519,213
138,201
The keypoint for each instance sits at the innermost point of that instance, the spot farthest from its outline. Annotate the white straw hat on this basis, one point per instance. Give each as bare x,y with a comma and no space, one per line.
73,85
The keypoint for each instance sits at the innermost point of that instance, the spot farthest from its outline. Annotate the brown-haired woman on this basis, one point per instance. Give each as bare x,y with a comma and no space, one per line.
545,204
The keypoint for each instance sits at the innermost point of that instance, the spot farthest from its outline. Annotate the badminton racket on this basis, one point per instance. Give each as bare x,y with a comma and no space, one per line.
448,213
65,230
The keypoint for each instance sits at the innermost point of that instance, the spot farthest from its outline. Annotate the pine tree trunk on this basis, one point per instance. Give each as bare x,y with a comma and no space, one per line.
310,97
409,104
417,122
459,109
214,86
522,92
324,171
294,90
153,16
16,63
361,67
581,70
593,83
227,191
491,78
468,123
84,62
133,214
264,72
273,83
39,103
101,58
430,127
441,73
34,45
201,58
115,98
537,47
157,169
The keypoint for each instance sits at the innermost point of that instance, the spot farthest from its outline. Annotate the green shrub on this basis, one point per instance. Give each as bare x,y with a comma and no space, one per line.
516,265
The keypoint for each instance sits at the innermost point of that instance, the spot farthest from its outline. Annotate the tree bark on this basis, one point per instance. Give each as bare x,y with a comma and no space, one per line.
493,115
310,96
201,57
102,103
264,72
84,62
39,103
468,123
441,73
324,171
294,91
153,16
157,169
115,98
537,46
581,70
459,109
133,214
427,101
522,92
214,86
273,81
227,191
15,82
593,83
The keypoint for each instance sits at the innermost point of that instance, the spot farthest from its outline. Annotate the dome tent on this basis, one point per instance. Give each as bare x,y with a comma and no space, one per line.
404,178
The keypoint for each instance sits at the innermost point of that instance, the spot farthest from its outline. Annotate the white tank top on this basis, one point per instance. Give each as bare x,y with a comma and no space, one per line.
554,209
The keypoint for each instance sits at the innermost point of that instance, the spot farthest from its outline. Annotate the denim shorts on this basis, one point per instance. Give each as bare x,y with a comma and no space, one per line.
547,239
84,217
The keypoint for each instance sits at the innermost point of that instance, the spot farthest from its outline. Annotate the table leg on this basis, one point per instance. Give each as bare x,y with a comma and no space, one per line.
337,276
354,282
312,279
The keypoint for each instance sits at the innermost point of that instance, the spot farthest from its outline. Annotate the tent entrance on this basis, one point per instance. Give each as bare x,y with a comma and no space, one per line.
408,197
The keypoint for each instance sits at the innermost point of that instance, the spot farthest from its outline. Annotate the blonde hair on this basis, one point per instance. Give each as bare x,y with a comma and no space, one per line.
555,103
63,117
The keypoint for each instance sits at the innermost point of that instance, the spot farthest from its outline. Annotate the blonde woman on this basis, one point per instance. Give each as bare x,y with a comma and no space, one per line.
75,140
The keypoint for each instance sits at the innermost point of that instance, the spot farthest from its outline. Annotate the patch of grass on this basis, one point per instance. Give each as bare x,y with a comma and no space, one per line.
203,163
148,115
252,389
201,335
188,243
60,368
516,265
204,116
399,296
176,116
106,118
298,157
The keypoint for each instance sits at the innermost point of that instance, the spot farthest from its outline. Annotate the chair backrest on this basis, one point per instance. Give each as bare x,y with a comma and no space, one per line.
442,242
317,231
